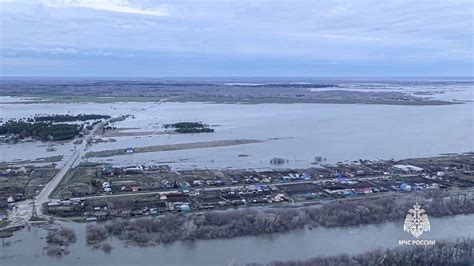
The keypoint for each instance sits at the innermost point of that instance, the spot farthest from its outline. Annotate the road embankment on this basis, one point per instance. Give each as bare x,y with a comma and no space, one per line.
173,147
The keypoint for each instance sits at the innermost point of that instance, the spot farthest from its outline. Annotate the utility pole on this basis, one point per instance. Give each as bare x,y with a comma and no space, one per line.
34,214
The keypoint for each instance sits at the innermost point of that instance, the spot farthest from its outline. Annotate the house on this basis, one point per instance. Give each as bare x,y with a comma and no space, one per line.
66,202
108,169
105,185
408,168
365,190
133,169
348,192
405,187
54,203
22,170
342,179
185,186
345,192
91,219
184,208
100,215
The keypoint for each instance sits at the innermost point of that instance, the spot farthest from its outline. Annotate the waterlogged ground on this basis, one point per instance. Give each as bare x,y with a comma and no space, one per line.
26,247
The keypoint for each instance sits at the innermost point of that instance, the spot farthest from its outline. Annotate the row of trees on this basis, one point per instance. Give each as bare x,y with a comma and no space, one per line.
231,223
66,118
185,125
41,130
458,252
190,127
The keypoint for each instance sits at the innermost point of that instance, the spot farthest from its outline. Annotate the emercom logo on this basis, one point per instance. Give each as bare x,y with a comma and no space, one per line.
416,223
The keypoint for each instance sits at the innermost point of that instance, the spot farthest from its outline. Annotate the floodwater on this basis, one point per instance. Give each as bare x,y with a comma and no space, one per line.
27,246
296,132
299,132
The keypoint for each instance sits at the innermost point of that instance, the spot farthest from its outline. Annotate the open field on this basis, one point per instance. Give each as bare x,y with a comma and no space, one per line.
235,100
86,178
24,182
54,99
109,91
335,100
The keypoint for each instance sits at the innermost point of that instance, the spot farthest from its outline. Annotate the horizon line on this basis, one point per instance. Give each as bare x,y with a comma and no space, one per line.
196,77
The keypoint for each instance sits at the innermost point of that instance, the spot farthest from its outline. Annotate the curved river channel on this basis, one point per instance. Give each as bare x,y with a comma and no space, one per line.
26,247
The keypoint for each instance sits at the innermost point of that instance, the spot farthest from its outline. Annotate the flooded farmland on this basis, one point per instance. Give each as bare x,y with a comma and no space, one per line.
296,132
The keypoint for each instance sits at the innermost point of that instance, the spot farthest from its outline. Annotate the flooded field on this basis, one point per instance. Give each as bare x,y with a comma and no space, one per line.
297,132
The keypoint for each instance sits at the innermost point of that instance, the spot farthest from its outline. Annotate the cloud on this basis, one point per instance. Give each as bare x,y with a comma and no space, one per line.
120,6
346,33
58,50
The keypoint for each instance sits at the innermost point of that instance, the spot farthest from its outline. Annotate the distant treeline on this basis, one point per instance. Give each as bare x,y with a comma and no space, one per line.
66,118
232,223
190,127
41,130
458,252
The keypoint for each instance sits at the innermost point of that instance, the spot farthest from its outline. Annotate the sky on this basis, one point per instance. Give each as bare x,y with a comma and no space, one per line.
191,38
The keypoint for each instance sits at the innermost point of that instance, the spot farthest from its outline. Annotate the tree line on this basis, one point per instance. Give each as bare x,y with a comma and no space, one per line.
41,130
148,231
458,252
66,118
190,127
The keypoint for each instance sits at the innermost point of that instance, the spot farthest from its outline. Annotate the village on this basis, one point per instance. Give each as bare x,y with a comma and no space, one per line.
93,192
